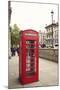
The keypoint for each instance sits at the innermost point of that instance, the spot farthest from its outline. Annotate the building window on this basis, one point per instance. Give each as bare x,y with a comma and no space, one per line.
47,30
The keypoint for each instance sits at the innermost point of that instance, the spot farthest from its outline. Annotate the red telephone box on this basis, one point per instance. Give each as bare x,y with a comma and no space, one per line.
28,56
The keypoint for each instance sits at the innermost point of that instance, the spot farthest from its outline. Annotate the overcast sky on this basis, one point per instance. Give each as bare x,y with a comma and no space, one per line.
33,16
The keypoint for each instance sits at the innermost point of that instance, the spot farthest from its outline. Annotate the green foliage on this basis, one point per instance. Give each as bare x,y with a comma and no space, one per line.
15,35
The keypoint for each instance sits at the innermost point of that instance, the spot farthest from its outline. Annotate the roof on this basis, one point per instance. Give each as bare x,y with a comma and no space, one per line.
54,24
28,31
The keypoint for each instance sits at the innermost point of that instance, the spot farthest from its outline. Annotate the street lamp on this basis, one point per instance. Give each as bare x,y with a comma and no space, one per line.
52,26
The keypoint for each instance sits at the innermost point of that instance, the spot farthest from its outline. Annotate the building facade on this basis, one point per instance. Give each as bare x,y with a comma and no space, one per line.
49,33
42,36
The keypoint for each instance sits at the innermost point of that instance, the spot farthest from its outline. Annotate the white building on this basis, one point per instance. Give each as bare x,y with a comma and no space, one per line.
49,35
42,37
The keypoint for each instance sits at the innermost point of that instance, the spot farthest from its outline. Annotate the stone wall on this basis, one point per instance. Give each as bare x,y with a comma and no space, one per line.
50,54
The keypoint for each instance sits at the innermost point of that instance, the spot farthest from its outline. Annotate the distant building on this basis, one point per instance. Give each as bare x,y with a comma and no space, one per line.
49,35
42,36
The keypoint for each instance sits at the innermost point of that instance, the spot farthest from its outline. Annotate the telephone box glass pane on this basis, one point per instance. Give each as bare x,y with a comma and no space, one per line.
30,58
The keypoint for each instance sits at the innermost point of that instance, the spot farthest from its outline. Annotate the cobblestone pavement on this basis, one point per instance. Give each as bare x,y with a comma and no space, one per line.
48,73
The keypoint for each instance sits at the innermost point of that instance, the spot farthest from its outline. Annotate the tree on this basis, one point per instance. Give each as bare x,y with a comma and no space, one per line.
15,36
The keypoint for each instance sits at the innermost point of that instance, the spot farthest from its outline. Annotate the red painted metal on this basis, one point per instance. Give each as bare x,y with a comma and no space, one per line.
28,56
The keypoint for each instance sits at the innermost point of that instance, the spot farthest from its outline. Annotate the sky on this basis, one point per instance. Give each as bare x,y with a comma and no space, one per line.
32,15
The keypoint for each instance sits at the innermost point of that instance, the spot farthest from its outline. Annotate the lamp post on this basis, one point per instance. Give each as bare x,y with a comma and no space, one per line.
52,26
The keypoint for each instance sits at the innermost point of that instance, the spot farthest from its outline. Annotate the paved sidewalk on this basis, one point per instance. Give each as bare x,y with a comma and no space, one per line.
48,73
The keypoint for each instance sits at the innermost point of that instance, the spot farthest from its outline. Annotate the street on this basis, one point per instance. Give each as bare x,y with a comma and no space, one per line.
48,73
